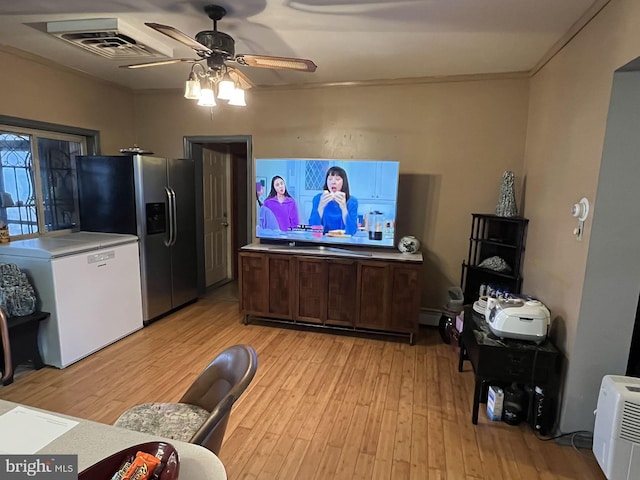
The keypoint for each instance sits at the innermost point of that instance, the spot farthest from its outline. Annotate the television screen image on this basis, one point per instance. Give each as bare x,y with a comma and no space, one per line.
342,202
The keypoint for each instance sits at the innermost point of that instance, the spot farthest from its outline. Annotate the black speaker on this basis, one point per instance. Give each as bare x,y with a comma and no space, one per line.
543,412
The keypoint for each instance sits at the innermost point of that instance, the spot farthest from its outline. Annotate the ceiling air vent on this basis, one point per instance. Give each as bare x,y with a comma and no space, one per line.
110,38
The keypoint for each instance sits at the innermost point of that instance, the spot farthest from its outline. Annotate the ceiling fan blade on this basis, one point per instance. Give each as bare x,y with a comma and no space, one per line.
180,37
282,63
242,80
162,62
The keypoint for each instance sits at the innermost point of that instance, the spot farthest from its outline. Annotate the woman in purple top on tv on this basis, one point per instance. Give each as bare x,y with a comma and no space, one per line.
282,204
335,208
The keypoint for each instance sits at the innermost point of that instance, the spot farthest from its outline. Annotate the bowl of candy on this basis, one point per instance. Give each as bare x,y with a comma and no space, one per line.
145,461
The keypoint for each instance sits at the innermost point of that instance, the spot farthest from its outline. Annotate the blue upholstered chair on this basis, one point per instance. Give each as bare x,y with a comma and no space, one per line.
202,414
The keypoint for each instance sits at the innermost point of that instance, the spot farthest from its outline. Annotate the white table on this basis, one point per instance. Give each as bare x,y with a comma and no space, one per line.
93,441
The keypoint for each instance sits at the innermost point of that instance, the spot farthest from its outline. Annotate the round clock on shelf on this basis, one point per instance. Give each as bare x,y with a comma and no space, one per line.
409,244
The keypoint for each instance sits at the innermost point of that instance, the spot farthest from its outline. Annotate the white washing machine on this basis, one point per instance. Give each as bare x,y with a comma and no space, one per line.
89,282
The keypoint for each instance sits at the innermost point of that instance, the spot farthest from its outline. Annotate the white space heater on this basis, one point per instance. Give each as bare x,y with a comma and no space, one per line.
616,437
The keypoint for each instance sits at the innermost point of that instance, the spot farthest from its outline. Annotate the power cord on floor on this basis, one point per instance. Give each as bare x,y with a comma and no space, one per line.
585,434
577,432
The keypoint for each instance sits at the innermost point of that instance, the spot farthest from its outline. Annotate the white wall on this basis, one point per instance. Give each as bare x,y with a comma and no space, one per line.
590,286
453,140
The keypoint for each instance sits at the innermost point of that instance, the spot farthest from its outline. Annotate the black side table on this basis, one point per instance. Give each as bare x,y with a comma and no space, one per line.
497,361
23,340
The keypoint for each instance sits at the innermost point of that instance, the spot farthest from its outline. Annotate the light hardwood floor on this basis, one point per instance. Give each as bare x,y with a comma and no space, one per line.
322,406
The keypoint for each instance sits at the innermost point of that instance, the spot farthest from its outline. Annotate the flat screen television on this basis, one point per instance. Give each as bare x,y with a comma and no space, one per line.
302,201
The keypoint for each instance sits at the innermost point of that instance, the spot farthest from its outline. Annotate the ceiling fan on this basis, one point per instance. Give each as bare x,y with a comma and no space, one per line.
218,48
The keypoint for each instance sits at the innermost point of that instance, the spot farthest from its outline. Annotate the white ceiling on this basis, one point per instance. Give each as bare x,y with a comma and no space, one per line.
349,40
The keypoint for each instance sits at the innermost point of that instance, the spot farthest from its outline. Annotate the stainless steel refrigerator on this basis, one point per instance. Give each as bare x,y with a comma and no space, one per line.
153,198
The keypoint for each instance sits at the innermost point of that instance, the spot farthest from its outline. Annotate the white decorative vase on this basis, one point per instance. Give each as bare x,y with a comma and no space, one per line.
409,244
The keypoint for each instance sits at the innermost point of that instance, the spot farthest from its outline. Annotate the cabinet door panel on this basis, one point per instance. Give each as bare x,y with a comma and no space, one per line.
341,302
280,283
312,290
254,287
387,181
382,180
405,300
373,297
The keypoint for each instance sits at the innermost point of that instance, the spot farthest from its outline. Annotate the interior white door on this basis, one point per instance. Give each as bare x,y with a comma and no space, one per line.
217,231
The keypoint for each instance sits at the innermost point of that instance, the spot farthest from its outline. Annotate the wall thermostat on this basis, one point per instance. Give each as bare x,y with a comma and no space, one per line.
581,209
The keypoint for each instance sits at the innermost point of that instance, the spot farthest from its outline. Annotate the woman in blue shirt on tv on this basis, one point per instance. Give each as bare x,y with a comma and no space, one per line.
335,208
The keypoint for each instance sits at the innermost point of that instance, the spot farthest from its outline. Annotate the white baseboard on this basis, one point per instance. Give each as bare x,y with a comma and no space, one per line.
429,316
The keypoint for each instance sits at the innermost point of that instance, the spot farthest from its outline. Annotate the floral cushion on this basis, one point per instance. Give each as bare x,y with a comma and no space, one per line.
177,421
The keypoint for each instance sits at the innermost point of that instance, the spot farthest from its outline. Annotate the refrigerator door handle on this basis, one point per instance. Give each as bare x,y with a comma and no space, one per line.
169,192
174,215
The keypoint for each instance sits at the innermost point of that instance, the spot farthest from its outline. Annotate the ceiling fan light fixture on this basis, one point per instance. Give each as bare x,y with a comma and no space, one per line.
207,98
192,90
237,98
192,87
214,49
226,87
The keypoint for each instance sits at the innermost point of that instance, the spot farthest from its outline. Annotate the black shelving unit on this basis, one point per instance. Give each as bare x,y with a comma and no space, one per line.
491,236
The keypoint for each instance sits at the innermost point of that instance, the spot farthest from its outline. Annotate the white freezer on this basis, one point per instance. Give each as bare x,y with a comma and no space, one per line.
68,244
89,282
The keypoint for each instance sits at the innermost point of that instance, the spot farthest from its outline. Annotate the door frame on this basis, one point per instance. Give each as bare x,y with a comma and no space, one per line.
193,149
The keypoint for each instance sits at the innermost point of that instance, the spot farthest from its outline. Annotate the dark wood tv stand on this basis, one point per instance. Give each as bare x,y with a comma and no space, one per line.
377,292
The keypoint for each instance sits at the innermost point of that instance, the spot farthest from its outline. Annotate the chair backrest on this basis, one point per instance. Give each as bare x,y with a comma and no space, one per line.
217,388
